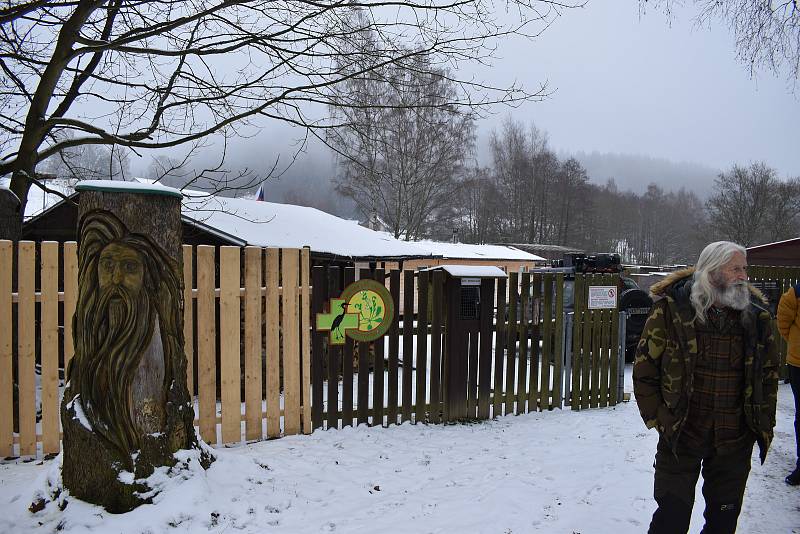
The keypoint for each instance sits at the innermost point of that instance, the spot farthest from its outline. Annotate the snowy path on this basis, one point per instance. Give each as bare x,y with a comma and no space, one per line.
560,472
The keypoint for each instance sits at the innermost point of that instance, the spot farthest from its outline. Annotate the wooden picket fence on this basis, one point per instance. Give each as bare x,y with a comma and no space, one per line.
246,325
402,377
257,369
773,282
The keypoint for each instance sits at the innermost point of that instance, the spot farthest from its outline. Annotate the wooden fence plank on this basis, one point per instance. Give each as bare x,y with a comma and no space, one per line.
522,360
535,351
499,349
422,346
336,362
362,383
272,343
437,319
377,375
26,346
290,263
408,342
206,344
394,349
252,342
485,351
558,349
305,329
614,357
577,342
49,347
363,370
546,312
511,338
188,317
70,297
597,347
318,297
6,352
229,343
342,360
605,340
586,350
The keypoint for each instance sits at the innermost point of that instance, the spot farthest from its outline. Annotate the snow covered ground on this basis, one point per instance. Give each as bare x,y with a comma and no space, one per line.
561,472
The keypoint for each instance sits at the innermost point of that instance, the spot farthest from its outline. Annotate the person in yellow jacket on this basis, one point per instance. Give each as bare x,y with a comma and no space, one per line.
789,328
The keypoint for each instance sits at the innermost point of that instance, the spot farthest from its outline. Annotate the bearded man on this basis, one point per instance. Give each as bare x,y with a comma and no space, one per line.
706,377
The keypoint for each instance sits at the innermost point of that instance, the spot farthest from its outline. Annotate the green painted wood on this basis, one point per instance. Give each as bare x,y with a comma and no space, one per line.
613,368
558,348
586,352
597,348
605,344
577,343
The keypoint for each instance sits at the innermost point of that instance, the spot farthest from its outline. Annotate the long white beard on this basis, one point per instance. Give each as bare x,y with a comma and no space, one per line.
735,295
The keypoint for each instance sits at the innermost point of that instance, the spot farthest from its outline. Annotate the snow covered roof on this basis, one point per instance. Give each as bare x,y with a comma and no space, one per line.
784,242
478,252
146,187
245,221
471,271
268,224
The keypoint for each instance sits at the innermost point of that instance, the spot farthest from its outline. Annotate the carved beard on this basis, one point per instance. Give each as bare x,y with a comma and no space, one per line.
119,327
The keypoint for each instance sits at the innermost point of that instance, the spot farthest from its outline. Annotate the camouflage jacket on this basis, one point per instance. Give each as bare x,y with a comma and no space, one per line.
665,359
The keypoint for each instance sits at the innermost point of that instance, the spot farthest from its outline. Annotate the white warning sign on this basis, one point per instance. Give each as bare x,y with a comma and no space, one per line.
602,297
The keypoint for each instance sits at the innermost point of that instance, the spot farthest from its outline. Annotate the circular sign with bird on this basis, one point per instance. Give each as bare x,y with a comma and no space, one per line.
374,306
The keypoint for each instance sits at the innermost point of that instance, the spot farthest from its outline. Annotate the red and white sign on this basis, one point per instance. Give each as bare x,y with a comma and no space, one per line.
602,297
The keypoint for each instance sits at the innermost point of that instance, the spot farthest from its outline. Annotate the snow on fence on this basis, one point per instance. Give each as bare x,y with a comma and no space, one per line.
246,326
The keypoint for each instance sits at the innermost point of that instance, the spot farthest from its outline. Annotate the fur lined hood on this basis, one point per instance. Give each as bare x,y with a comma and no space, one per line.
680,282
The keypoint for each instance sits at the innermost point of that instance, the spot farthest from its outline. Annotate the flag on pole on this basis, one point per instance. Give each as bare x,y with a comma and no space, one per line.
260,193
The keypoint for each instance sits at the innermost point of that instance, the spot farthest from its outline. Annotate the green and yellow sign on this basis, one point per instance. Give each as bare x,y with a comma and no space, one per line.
363,312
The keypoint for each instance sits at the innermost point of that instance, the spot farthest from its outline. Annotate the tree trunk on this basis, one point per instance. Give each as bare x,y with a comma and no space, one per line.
126,409
10,216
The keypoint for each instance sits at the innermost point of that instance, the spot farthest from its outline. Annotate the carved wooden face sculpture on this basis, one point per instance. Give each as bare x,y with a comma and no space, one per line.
120,265
126,331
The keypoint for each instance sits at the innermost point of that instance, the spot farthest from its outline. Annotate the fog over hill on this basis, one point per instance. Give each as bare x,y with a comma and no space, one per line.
636,172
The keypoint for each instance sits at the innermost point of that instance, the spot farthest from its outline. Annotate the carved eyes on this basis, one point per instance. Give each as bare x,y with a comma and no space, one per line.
126,266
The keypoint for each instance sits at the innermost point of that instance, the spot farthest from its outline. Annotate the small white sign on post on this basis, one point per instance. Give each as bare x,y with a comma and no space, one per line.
602,297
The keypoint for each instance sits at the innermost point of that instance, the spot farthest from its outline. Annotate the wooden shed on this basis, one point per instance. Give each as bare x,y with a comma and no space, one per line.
781,253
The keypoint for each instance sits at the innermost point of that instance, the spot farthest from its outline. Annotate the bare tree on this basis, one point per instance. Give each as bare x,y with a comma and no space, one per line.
156,75
402,145
767,32
738,208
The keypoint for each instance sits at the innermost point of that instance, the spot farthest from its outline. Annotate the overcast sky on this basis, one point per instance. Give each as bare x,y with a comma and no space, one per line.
626,84
621,84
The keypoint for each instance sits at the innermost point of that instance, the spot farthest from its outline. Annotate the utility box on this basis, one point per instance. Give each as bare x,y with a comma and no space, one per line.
467,346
